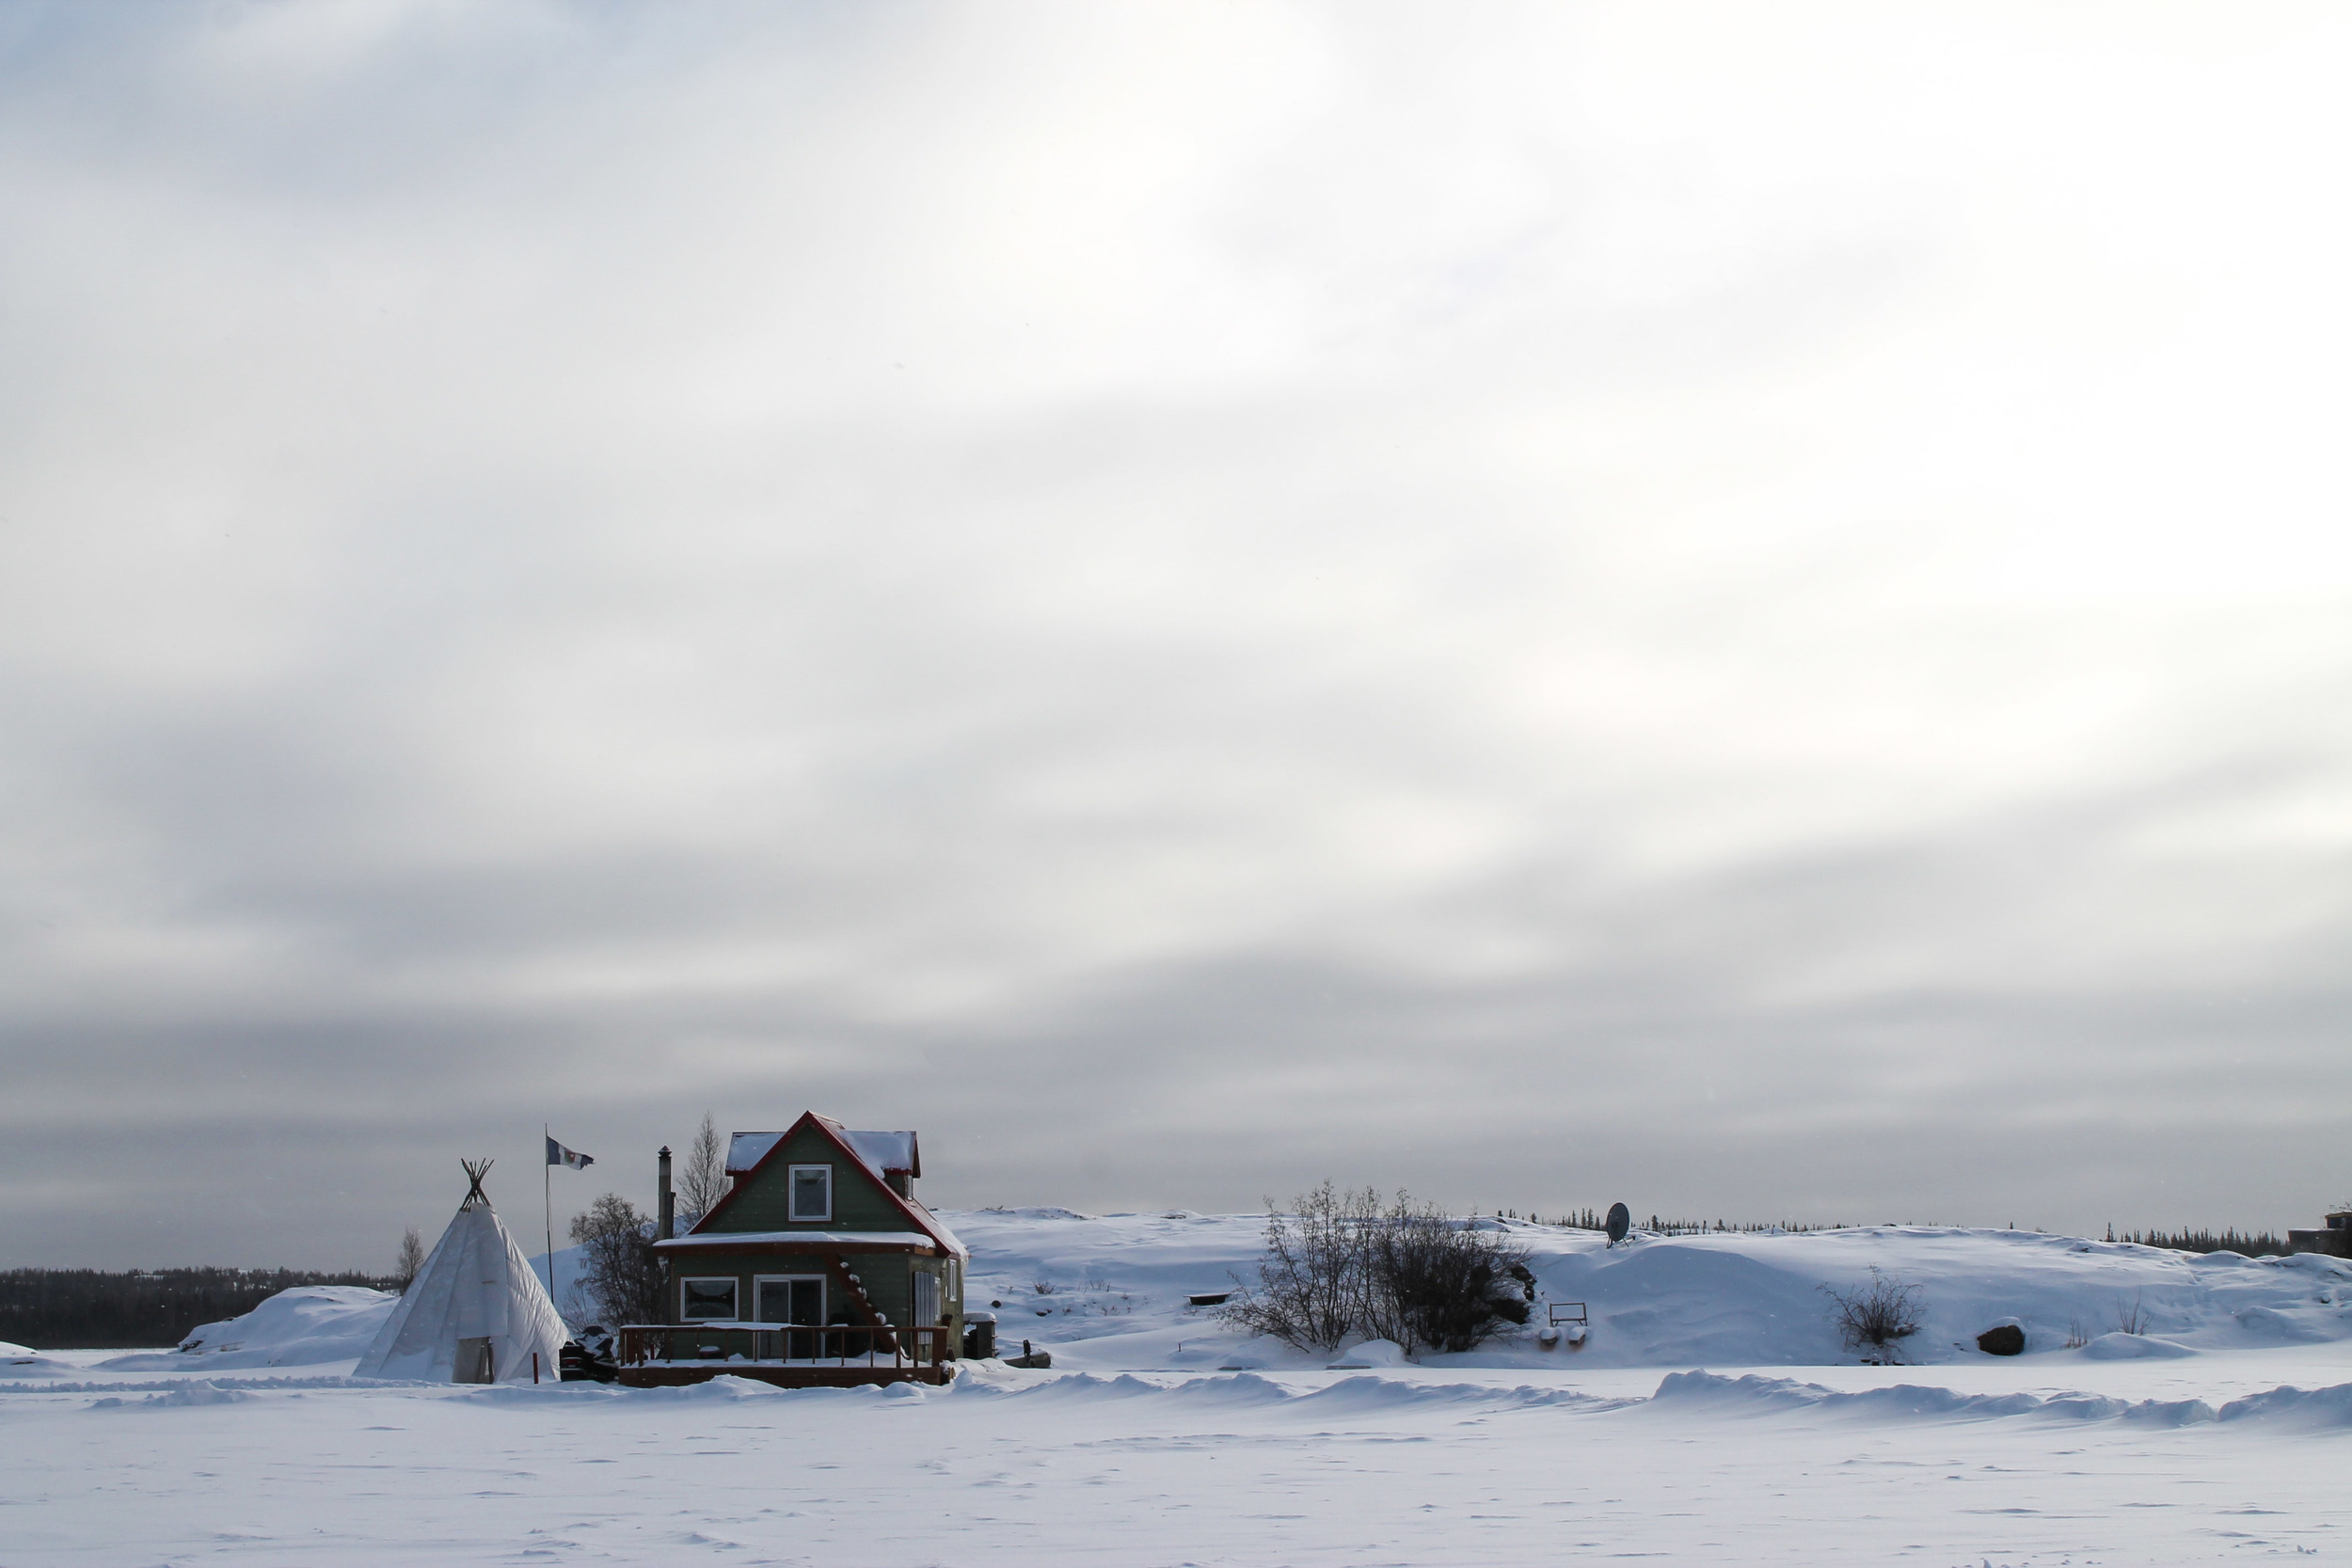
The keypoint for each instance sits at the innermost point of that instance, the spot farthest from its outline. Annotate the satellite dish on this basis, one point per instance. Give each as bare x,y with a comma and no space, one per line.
1620,1221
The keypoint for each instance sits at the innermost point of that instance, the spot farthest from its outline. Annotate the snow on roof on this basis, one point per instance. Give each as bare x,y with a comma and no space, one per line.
884,1151
849,1241
746,1149
939,1229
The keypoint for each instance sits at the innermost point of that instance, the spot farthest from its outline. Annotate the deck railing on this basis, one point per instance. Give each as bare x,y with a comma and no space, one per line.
783,1345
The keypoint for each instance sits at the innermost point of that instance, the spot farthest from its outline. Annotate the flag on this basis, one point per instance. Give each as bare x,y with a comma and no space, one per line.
558,1155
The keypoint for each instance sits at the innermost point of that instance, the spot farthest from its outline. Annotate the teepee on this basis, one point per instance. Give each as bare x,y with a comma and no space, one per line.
476,1311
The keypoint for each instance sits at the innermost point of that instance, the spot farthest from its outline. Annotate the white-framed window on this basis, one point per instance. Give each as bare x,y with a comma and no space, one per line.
812,1192
706,1300
953,1275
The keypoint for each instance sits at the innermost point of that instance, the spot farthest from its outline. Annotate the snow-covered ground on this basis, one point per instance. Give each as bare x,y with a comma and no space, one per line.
2174,1445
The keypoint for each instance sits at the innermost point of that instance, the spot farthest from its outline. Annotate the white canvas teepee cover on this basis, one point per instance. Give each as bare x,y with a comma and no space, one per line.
476,1286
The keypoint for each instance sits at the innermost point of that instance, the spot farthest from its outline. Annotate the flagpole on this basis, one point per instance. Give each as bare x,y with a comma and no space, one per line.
548,1204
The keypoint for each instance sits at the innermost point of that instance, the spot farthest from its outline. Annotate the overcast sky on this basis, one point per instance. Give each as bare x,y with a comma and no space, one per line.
1747,610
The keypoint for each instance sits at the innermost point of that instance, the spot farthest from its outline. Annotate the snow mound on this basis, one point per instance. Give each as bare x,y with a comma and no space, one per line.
1714,1395
300,1327
164,1386
30,1366
1248,1390
2269,1325
2134,1347
185,1396
7,1349
1368,1394
1370,1355
2311,1409
725,1389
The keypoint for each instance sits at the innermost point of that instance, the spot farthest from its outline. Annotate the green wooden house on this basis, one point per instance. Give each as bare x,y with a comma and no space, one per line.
817,1267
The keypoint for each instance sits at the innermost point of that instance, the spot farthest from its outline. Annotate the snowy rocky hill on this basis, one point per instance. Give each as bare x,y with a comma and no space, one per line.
1110,1291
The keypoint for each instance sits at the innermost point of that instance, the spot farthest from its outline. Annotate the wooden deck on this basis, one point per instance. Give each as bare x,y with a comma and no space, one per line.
839,1356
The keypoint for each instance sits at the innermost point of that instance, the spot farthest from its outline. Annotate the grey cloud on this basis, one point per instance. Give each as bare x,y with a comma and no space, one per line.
1648,1060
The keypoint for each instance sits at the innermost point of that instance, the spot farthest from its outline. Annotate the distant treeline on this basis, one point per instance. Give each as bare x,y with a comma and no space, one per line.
1585,1219
86,1309
2255,1244
2261,1245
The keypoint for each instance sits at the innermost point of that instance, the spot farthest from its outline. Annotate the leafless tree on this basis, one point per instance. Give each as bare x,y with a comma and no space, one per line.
620,1271
703,1174
411,1258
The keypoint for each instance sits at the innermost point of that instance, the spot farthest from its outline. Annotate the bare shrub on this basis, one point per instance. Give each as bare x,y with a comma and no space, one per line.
2132,1319
621,1273
1437,1285
1311,1281
1339,1264
411,1259
1877,1318
1044,1286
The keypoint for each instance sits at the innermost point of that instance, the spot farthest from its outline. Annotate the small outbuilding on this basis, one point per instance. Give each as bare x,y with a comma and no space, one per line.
2335,1239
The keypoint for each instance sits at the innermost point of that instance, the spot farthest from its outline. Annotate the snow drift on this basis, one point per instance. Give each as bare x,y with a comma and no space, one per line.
303,1326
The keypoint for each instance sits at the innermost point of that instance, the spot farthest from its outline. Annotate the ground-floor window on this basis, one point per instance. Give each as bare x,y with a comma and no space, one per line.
795,1301
790,1298
706,1300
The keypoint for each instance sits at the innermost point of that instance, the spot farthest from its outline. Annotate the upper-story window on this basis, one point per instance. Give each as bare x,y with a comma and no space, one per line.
812,1192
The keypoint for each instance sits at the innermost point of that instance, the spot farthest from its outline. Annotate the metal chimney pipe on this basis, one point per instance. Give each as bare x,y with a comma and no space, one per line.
665,1226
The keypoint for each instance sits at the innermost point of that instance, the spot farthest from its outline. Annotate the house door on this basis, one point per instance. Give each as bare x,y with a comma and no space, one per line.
798,1300
925,1297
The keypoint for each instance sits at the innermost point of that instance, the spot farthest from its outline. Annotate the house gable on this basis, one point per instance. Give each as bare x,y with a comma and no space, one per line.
761,1200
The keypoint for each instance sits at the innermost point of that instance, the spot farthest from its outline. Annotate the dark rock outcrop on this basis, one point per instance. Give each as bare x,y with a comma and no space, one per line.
2007,1339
